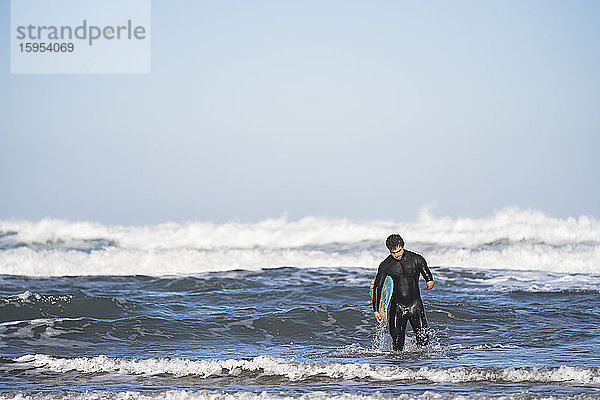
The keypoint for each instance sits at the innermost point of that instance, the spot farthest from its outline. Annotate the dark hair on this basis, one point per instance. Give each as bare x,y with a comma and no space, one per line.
394,241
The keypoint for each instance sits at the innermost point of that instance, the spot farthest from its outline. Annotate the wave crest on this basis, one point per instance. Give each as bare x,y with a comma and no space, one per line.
512,239
298,371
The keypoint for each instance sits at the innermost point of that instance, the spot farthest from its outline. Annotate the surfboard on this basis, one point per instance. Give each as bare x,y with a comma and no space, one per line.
386,296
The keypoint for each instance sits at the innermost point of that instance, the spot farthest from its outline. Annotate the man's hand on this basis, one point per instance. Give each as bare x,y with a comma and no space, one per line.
430,285
378,317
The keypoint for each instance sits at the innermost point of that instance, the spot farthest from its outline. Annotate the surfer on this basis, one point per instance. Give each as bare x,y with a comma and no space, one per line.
404,267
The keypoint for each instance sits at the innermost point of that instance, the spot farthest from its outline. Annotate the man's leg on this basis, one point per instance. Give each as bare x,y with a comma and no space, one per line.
419,324
397,324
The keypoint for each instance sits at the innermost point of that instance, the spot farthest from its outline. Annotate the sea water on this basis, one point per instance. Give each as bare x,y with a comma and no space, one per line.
280,310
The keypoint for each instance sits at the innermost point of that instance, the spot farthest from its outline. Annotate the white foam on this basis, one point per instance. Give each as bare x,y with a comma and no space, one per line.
298,371
318,395
513,224
525,240
25,296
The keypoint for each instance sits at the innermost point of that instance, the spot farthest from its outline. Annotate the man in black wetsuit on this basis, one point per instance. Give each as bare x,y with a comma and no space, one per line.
404,267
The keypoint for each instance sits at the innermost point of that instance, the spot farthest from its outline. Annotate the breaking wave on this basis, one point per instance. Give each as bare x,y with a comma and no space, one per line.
290,370
31,305
222,395
510,239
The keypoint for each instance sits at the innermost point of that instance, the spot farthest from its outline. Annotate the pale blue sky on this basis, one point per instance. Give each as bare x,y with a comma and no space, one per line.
357,109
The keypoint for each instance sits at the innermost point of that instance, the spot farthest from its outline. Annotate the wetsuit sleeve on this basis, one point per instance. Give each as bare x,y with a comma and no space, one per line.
377,286
425,269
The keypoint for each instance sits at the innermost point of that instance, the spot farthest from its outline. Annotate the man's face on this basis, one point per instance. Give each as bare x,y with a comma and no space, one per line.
397,252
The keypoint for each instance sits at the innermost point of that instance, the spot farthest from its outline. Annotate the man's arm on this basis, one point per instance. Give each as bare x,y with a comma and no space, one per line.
426,273
377,286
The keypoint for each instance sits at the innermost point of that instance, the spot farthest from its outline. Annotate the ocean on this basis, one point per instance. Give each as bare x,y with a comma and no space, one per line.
280,309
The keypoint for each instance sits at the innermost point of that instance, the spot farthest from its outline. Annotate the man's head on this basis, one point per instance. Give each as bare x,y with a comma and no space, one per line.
395,245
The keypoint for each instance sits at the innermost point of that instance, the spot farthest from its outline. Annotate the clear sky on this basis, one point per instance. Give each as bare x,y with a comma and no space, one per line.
354,109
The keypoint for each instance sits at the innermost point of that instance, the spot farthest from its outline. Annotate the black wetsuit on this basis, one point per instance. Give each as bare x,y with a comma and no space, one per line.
406,304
